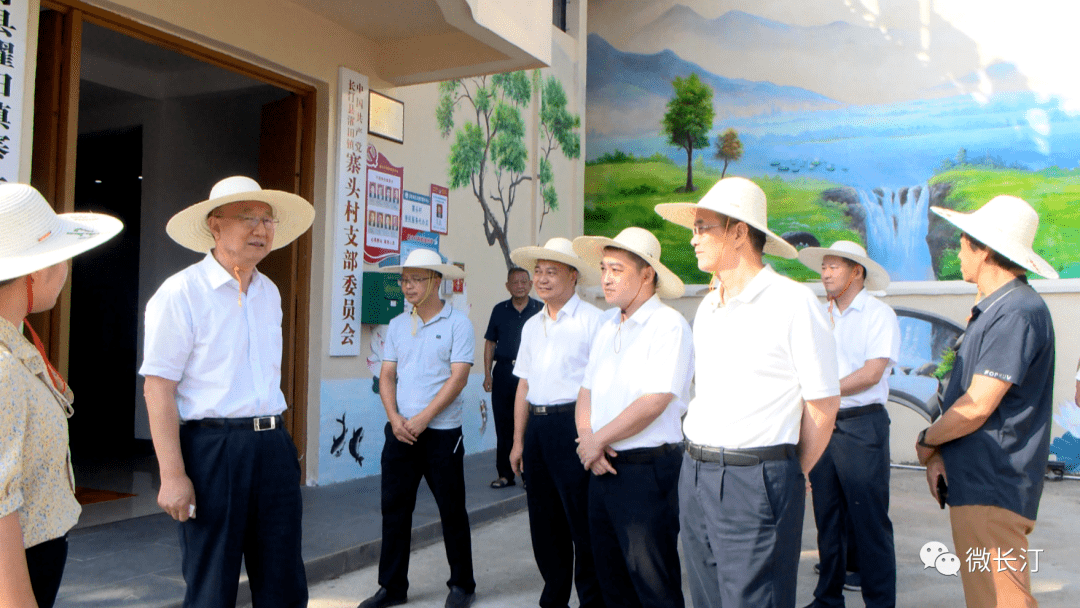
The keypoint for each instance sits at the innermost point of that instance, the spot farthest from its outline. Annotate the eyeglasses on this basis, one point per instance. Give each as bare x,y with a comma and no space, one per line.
410,281
700,229
252,222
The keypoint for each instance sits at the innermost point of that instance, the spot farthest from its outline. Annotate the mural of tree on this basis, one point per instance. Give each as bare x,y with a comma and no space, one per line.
558,131
728,148
688,119
494,136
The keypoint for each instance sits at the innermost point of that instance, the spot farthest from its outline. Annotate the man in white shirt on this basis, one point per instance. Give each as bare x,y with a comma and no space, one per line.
629,409
767,395
550,364
212,362
851,480
426,360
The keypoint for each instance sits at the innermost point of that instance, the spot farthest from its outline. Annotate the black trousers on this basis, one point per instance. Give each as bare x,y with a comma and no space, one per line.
741,532
851,482
634,526
248,505
439,457
558,511
45,561
503,390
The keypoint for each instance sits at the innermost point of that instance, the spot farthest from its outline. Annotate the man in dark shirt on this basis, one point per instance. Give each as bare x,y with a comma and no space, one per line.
992,442
501,342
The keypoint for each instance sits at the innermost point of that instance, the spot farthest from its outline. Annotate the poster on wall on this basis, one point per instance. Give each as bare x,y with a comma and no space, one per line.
415,212
12,83
345,300
440,209
383,216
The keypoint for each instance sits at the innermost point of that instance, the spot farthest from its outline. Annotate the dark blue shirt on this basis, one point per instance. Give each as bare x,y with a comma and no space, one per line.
504,328
1010,337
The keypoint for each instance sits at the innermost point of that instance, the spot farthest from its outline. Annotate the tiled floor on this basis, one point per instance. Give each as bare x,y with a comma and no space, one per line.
137,475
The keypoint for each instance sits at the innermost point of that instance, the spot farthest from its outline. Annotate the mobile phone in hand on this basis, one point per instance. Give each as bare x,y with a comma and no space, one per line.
942,491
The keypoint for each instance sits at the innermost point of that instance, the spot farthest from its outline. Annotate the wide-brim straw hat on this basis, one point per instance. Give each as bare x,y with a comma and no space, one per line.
559,250
737,198
428,260
637,241
33,236
294,214
877,278
1007,225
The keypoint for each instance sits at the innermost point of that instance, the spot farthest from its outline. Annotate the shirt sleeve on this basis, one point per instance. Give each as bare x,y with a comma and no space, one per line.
12,436
1008,347
813,350
170,336
883,335
523,359
670,357
464,345
390,350
492,333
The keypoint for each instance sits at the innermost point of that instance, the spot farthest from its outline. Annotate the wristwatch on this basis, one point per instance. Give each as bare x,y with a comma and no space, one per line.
922,440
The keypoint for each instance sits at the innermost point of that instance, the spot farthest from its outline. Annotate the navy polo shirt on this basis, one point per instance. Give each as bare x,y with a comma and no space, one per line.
504,328
1010,337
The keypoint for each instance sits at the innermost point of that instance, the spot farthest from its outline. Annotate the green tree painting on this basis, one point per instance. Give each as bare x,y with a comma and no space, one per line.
728,148
688,119
558,131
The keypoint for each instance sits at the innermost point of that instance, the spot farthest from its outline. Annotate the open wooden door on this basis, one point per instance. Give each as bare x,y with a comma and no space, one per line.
281,150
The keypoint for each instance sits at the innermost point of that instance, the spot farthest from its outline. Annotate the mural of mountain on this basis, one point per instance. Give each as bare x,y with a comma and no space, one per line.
852,63
628,92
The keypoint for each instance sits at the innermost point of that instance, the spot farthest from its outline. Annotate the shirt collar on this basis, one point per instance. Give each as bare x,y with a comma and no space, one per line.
444,313
20,347
992,299
218,276
647,308
765,277
858,303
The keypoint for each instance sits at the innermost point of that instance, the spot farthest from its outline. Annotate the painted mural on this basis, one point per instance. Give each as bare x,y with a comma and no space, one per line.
854,116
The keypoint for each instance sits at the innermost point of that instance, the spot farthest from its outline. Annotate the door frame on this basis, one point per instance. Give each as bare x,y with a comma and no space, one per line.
56,115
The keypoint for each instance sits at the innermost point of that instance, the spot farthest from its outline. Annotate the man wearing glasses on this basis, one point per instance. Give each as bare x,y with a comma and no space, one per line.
212,362
426,361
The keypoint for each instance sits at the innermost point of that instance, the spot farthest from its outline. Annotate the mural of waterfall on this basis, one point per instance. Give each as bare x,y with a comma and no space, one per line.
896,226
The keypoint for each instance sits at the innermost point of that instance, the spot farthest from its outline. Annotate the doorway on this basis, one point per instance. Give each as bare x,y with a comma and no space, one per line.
140,125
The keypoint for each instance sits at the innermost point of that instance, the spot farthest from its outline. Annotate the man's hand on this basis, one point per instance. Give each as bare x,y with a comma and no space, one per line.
935,467
417,424
590,450
924,453
602,466
516,460
487,383
398,425
177,496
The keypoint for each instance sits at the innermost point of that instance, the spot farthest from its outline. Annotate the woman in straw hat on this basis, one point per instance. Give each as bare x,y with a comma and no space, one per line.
37,500
991,443
633,395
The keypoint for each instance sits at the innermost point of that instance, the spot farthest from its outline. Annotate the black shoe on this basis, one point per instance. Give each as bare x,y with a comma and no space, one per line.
382,599
852,581
459,598
817,568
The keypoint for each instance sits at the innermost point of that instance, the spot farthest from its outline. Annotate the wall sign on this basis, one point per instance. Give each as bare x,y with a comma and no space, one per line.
383,229
13,20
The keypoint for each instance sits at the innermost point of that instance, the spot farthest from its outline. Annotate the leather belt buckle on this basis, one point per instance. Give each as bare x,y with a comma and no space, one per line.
540,410
265,423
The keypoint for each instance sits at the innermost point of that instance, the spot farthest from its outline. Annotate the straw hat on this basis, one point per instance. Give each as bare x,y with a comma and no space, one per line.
33,236
638,241
294,214
737,198
559,250
877,278
428,260
1007,225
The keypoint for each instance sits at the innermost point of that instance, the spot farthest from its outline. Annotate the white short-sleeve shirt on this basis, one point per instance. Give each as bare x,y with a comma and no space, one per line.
758,357
553,354
650,353
223,347
423,360
867,329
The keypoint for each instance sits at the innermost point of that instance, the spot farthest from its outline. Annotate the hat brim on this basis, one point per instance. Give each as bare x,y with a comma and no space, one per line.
877,278
996,240
527,257
591,250
685,214
294,215
76,233
448,271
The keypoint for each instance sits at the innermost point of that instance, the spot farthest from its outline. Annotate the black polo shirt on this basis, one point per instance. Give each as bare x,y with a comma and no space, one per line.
504,328
1010,337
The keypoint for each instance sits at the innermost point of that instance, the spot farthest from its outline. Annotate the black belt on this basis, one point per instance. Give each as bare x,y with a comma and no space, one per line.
509,360
546,410
253,423
851,412
644,455
743,457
